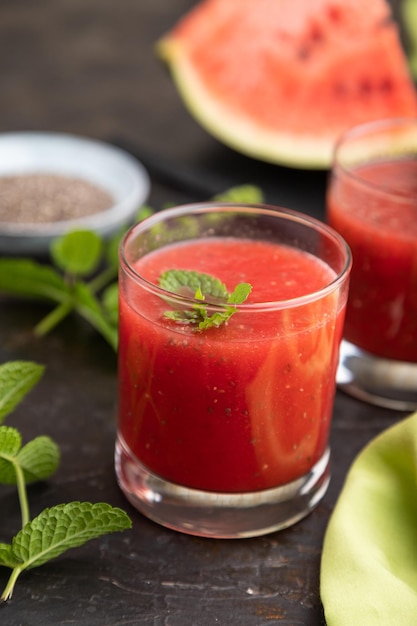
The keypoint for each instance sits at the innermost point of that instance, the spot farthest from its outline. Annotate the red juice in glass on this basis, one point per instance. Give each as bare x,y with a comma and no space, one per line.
242,408
381,229
372,203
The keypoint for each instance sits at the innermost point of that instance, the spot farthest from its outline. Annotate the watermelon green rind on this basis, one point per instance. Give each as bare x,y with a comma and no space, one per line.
239,132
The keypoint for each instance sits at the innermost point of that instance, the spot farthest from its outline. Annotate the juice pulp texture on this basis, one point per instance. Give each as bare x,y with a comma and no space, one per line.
242,407
381,230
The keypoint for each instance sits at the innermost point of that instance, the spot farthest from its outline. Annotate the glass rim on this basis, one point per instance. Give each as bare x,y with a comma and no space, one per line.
200,208
359,132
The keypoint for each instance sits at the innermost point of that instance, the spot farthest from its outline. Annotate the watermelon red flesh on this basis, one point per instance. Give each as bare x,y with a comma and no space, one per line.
281,79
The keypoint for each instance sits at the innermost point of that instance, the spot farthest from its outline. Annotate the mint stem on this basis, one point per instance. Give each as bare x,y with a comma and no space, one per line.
8,590
23,499
102,279
53,318
98,322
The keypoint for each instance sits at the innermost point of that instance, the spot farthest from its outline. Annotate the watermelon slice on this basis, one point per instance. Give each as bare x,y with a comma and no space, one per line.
280,80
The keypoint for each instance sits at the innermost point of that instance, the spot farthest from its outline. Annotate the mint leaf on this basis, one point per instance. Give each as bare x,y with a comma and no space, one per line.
24,277
10,443
65,526
55,531
186,282
144,212
6,556
201,286
38,459
242,193
239,295
185,317
16,379
77,252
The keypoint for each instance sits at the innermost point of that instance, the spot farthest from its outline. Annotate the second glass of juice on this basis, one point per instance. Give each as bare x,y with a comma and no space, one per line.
372,203
223,427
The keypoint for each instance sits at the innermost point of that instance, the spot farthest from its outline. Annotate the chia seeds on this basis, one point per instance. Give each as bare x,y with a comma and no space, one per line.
43,198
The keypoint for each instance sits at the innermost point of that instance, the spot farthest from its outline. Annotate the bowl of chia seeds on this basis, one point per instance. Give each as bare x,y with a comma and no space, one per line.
52,183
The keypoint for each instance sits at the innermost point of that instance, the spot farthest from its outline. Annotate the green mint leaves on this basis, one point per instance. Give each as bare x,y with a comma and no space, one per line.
185,282
75,281
203,288
55,529
16,380
37,460
241,194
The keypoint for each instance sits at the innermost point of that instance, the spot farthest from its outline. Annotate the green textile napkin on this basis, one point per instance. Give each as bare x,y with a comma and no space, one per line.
408,10
369,559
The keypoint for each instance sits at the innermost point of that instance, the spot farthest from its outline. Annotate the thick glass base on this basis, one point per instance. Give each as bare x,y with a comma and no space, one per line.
219,515
383,382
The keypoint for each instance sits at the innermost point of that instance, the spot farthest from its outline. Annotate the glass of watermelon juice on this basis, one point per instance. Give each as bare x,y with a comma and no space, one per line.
372,203
226,393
